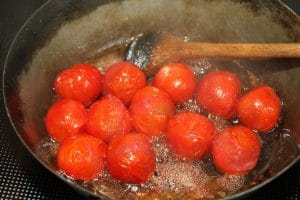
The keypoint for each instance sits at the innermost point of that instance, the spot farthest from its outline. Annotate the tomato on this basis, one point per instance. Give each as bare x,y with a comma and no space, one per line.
218,93
65,118
108,117
82,157
176,79
259,109
236,150
82,82
123,79
151,109
130,158
190,135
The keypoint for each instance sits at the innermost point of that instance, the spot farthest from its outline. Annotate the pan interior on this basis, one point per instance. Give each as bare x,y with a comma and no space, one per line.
64,33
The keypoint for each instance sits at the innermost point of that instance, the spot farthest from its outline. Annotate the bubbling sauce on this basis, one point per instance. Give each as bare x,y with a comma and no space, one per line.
173,178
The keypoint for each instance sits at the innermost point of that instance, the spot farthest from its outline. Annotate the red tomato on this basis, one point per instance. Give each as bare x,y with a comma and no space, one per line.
65,118
151,109
190,135
130,158
176,79
82,157
218,93
236,150
108,117
123,79
82,82
259,109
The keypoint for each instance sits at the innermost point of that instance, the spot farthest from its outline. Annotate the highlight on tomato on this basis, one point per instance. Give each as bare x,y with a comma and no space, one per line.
65,118
82,157
176,79
130,158
190,135
236,150
151,109
81,82
122,80
259,109
107,118
218,93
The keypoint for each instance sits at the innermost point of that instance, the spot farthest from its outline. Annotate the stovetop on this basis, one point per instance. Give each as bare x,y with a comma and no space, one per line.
22,177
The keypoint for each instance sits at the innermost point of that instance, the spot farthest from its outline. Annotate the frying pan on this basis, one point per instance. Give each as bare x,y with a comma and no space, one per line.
62,33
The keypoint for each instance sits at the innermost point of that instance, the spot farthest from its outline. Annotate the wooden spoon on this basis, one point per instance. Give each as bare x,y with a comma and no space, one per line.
152,50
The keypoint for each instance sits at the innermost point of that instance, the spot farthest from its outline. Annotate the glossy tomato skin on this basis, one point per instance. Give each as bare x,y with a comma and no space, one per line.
176,79
151,109
218,93
65,118
108,117
190,135
82,82
130,158
259,109
236,150
123,79
82,157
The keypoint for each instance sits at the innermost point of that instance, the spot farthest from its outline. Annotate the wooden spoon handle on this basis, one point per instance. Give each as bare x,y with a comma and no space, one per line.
239,50
172,49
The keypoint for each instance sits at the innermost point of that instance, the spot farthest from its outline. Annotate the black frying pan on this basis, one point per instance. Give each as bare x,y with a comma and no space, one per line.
60,34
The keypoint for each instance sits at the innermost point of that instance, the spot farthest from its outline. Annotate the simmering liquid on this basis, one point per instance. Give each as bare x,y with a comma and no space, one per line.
173,178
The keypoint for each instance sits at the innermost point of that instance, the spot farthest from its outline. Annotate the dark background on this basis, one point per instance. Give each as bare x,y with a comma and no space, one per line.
22,177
